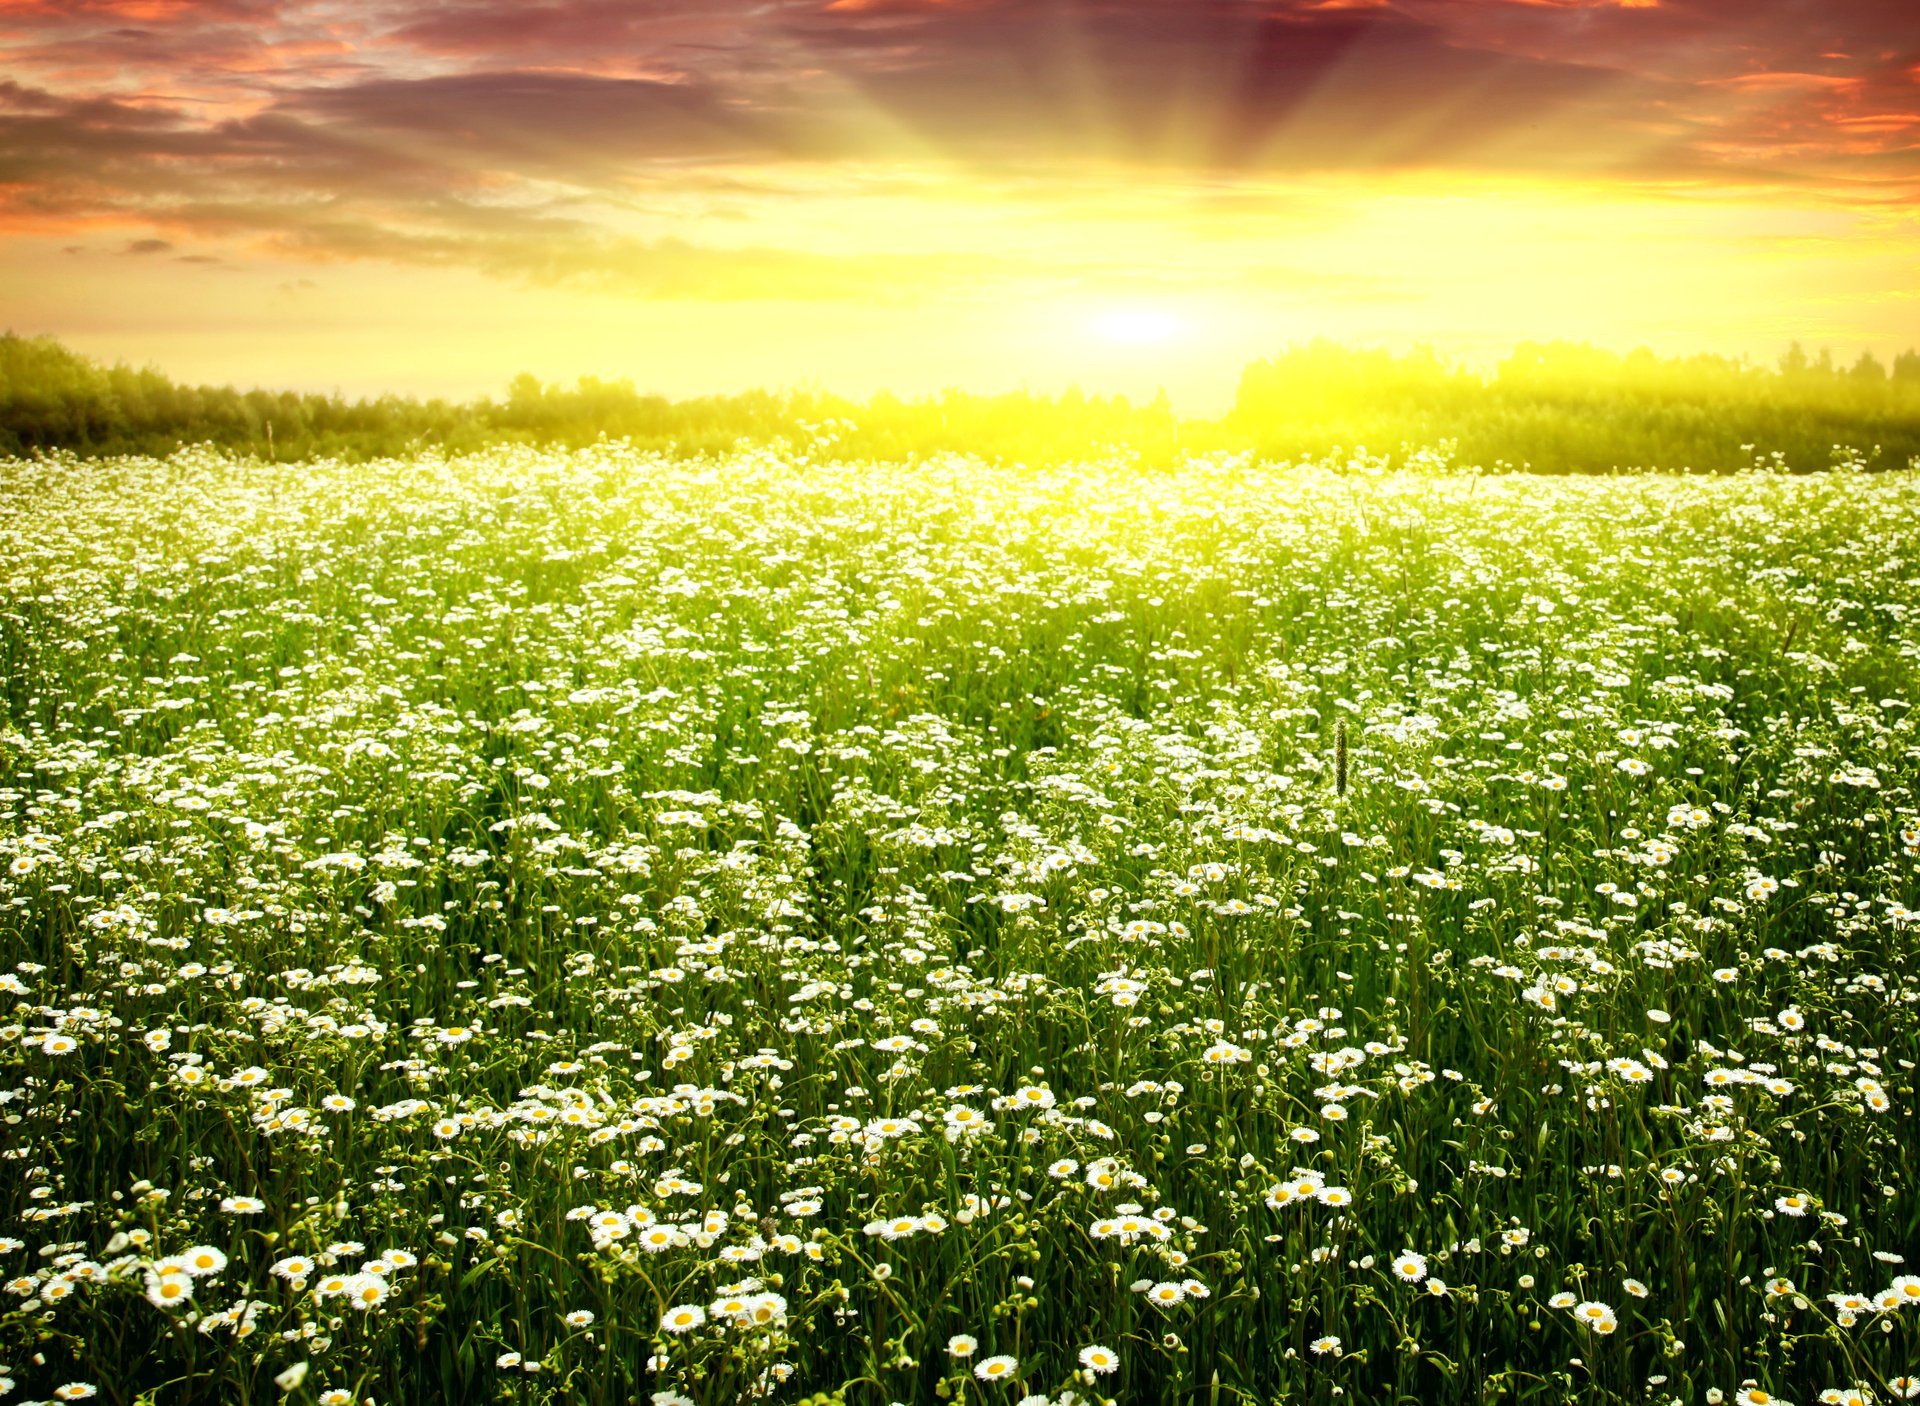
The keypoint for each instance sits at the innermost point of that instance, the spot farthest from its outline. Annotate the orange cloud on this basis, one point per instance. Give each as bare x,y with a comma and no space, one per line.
844,149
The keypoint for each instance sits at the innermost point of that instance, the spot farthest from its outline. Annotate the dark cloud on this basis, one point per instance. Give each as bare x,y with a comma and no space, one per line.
631,31
488,133
504,119
1209,84
18,98
325,177
1285,83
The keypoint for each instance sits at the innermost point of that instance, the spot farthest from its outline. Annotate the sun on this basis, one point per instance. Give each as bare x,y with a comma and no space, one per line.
1138,326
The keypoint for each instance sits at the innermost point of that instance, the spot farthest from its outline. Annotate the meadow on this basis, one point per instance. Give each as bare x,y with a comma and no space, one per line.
608,927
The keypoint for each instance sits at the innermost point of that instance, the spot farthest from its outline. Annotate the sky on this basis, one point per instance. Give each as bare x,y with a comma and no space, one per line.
429,196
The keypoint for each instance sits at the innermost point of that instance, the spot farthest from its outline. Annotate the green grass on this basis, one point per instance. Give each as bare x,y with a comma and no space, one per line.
765,852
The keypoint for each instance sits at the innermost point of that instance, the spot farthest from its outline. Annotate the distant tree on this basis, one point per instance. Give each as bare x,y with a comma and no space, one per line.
1868,369
1550,405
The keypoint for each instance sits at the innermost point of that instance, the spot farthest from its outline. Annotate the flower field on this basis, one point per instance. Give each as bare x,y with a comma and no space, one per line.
596,927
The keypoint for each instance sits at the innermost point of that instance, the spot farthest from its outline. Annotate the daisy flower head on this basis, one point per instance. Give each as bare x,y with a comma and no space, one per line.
683,1318
169,1290
962,1119
995,1369
366,1292
962,1345
766,1309
1098,1359
1409,1268
203,1260
1597,1316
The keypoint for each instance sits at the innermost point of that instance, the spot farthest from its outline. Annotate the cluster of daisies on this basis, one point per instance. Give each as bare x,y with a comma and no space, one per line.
597,927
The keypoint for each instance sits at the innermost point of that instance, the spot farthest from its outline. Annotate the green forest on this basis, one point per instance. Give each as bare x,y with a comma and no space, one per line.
1548,407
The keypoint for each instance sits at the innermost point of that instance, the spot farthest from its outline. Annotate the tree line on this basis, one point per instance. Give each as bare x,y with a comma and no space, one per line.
1548,407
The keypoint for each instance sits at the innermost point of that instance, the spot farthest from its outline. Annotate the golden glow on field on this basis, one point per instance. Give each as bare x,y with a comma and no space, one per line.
898,278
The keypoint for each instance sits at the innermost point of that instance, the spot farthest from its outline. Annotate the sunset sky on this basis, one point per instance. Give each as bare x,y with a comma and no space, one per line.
431,195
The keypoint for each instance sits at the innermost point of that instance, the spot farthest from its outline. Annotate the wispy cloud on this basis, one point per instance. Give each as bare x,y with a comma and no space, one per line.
651,147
